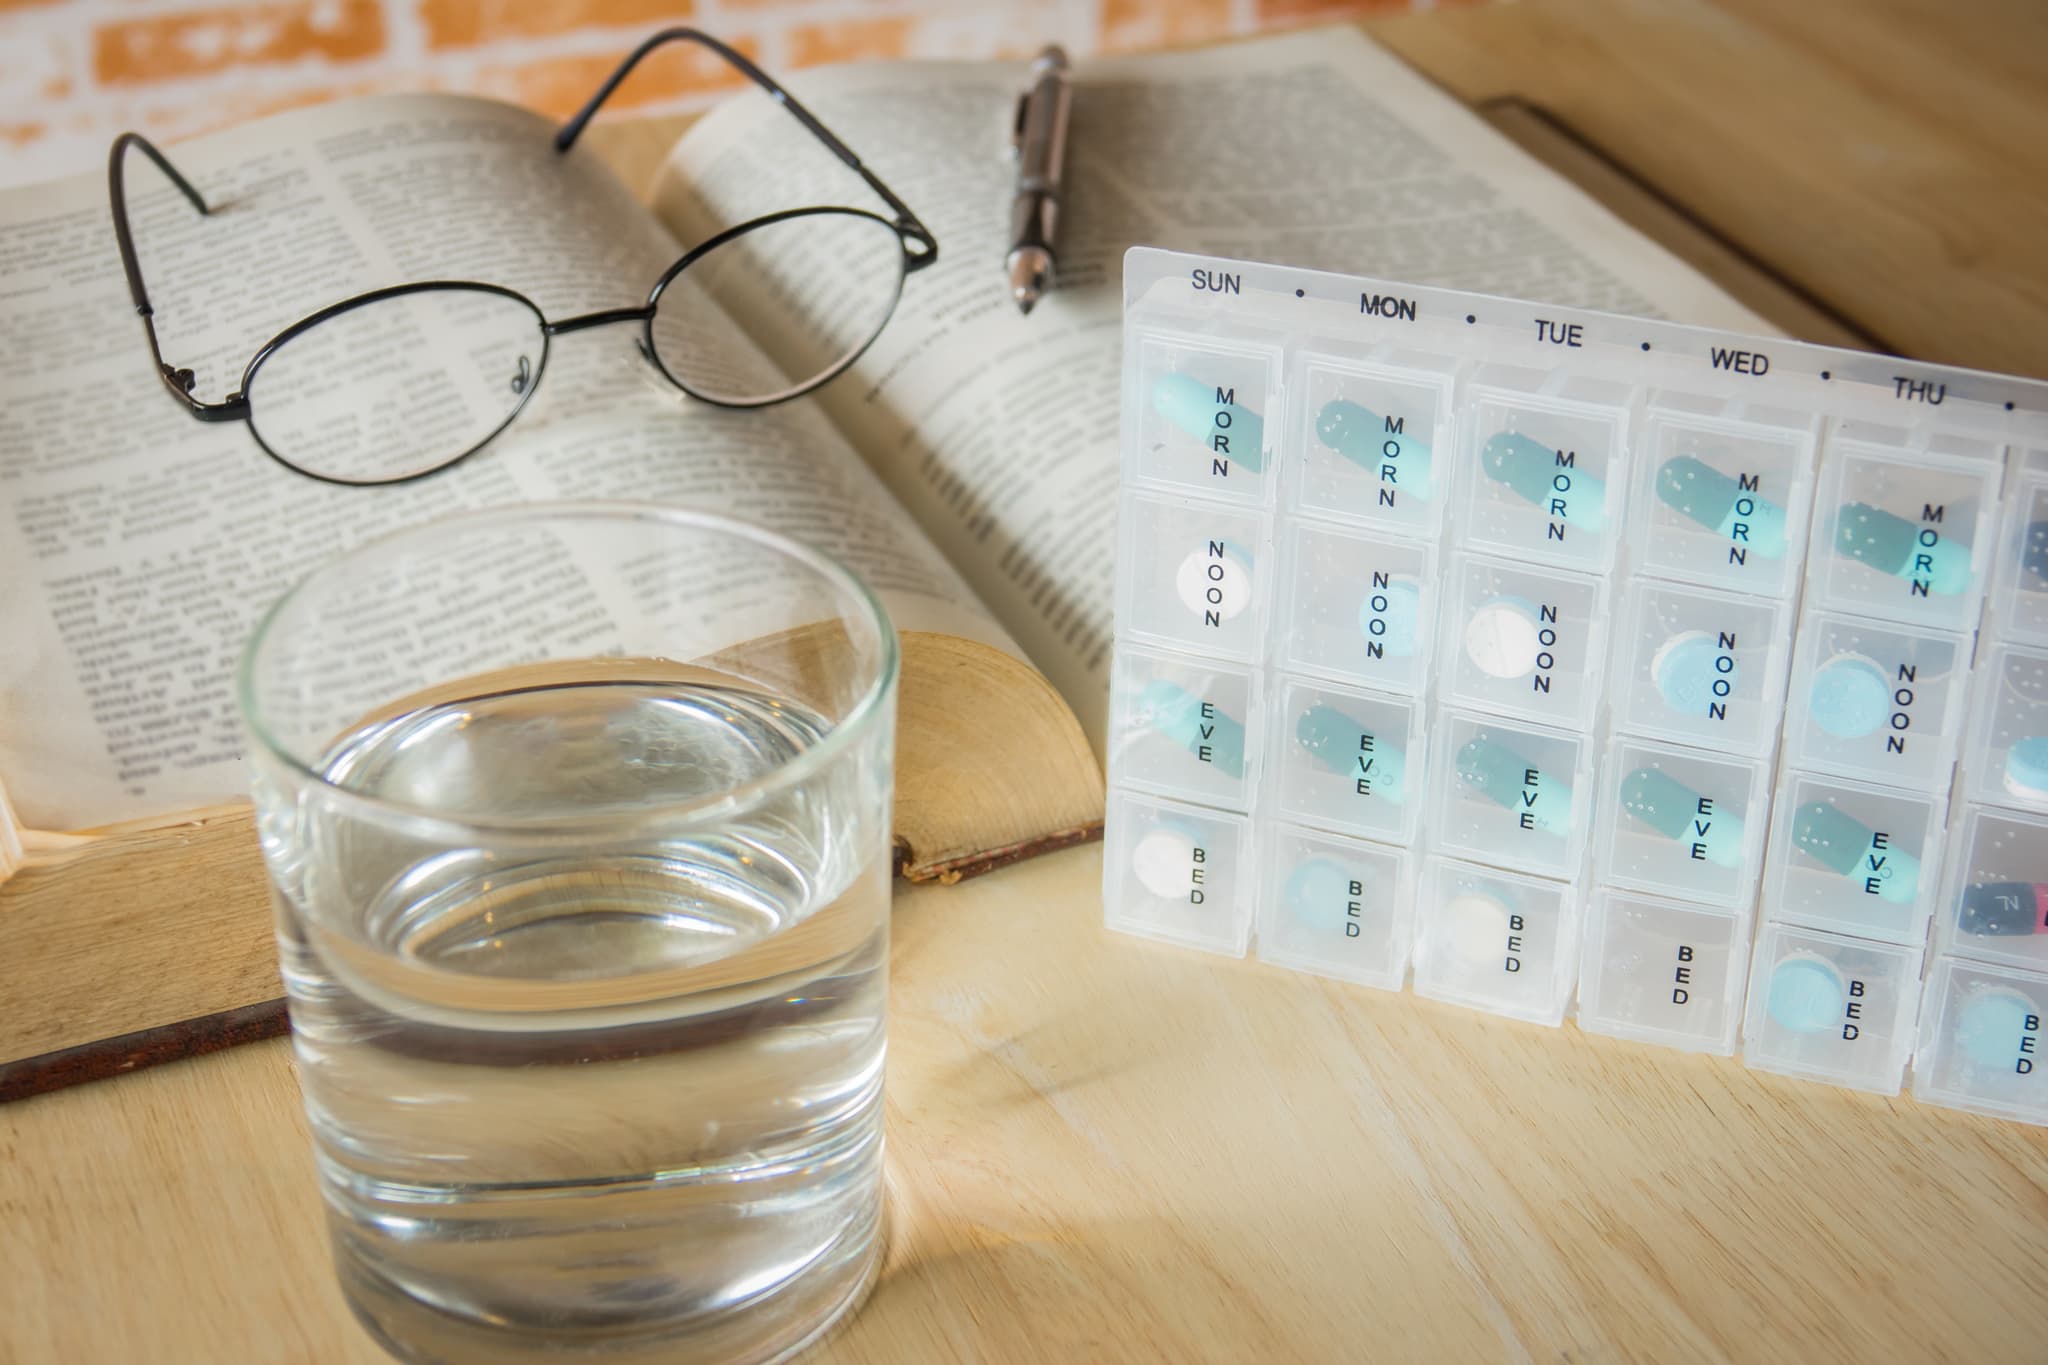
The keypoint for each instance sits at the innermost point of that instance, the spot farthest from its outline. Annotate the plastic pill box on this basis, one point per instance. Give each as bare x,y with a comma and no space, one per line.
1556,662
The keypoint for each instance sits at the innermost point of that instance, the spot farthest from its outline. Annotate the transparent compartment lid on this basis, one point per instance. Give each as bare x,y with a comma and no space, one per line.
1177,873
1509,795
1658,971
1994,904
1981,1047
1334,907
1356,607
1876,701
1525,641
1544,478
1191,574
1701,667
1827,1008
1855,858
1184,726
2020,577
1206,414
1495,941
1374,444
1904,535
1346,760
1682,823
1721,501
2007,761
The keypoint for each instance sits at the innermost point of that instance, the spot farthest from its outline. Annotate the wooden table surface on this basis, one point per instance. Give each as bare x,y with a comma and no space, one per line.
1106,1149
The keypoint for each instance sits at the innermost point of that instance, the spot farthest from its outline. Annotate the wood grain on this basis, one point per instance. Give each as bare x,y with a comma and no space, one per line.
1104,1149
1885,156
1108,1150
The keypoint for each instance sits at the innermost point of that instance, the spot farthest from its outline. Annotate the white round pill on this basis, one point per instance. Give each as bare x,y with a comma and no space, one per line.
1476,928
1501,638
1213,583
1165,863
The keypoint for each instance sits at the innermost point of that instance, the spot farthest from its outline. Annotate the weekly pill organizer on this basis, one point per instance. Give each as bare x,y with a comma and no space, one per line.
1694,681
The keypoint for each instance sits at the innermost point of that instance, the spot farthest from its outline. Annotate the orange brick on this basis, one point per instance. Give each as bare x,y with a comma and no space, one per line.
1294,11
21,134
196,42
1132,24
558,86
850,40
465,23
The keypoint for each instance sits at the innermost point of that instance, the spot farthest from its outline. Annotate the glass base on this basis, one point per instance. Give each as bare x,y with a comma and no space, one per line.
772,1326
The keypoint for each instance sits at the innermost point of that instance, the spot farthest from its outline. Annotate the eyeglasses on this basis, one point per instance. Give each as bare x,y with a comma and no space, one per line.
403,382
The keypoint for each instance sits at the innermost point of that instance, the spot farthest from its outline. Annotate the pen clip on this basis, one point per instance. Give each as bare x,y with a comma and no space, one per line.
1017,127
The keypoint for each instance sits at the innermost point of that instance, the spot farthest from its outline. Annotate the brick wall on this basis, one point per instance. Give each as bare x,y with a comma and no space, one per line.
75,72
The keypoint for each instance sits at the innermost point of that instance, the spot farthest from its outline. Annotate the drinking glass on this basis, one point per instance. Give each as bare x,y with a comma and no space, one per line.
577,820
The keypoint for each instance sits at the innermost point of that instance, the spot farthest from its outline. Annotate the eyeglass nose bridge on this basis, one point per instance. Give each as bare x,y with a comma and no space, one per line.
608,317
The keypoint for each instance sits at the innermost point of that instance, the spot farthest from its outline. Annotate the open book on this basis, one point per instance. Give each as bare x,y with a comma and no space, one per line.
965,466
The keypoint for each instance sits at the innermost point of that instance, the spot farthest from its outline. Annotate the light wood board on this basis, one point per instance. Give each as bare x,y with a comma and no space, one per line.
1104,1149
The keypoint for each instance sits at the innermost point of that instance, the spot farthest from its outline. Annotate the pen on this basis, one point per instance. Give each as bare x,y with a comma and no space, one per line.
1040,142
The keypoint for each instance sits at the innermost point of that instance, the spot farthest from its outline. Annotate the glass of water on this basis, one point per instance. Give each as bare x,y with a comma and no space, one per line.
577,818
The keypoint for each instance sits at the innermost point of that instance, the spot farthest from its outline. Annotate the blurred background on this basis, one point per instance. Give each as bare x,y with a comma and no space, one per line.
73,73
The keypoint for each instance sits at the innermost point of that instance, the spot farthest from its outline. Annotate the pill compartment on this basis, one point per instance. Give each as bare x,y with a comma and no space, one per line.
1374,445
1495,941
1512,795
1207,416
1660,972
1823,1007
1994,900
1523,641
1723,503
1347,760
1189,574
1544,479
1186,727
2020,579
1860,859
1334,907
1178,873
1902,537
1356,607
1704,668
2007,760
1876,701
1981,1047
1681,823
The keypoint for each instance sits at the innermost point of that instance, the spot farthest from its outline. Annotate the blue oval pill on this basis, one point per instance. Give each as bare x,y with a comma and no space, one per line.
1319,892
1686,668
1388,617
1991,1026
1806,995
1848,697
2026,768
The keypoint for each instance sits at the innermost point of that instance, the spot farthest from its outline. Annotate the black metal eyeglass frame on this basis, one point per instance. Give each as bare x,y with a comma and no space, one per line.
920,249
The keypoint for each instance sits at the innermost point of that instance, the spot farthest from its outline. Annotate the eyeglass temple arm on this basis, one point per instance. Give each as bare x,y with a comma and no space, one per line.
178,381
906,221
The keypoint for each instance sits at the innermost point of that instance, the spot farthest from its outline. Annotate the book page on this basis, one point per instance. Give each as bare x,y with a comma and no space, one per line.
1317,149
138,546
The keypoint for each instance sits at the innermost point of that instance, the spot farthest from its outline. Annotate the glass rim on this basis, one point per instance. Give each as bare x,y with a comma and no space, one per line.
844,734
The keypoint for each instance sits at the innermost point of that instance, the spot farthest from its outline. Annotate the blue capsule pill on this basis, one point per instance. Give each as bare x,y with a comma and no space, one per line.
1205,413
1377,444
